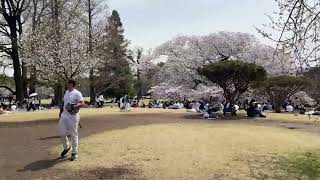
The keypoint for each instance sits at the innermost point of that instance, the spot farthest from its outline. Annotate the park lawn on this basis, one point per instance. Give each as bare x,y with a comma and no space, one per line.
285,117
48,101
202,150
289,117
24,116
52,114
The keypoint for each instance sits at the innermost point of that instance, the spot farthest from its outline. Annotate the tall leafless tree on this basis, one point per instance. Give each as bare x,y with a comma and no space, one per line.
11,25
94,9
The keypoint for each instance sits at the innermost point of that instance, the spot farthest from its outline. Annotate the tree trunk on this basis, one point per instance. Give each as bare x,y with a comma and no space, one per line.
24,79
33,80
33,72
16,63
93,94
277,107
58,94
139,93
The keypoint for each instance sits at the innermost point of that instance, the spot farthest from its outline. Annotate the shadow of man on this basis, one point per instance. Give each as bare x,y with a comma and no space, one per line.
48,138
42,164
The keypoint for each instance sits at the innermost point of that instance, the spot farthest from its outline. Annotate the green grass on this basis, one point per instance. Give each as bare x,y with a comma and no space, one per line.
297,165
203,150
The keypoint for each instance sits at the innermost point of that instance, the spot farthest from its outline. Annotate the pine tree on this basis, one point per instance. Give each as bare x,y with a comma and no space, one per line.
115,73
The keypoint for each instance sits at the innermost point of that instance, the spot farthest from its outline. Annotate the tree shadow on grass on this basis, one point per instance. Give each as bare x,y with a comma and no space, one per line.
42,164
113,173
109,173
228,117
27,123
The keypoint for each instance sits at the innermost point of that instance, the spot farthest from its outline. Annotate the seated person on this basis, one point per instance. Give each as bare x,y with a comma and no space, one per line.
265,107
101,100
302,109
135,104
187,105
226,108
160,105
32,105
289,108
253,110
246,104
213,108
191,106
13,107
3,112
98,104
230,108
176,106
202,107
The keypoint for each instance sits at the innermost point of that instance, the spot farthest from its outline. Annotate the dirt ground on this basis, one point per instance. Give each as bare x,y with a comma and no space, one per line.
24,147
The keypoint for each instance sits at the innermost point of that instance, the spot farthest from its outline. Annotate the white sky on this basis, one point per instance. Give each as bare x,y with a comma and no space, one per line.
148,23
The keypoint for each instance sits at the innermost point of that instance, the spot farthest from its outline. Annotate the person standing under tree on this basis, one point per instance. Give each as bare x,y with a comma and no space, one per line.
69,119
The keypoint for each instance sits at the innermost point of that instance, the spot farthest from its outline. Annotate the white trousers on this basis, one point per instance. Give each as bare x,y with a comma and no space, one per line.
68,126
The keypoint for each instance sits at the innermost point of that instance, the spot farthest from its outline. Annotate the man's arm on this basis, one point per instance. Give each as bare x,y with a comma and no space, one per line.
81,104
61,109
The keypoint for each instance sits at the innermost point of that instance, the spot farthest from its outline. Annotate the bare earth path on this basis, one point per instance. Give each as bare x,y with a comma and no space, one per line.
24,147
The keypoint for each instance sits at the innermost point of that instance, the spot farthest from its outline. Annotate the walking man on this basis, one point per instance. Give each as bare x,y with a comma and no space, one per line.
69,119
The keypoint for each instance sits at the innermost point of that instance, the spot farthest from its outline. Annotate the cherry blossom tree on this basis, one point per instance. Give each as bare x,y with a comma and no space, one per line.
185,54
143,69
70,61
39,10
58,47
169,92
294,28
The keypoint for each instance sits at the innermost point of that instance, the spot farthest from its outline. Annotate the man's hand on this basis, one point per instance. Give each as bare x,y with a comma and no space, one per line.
81,104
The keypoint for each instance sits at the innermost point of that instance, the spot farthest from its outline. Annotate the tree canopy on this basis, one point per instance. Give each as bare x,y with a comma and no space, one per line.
115,78
280,89
314,90
233,76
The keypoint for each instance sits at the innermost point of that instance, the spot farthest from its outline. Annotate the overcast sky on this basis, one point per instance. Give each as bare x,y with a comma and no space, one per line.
149,23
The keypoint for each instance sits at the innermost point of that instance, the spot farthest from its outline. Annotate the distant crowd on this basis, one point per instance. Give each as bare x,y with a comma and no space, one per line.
212,108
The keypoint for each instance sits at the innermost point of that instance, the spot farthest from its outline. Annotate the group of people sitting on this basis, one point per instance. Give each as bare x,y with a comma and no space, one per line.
211,109
254,109
100,102
165,104
33,104
290,107
125,103
7,109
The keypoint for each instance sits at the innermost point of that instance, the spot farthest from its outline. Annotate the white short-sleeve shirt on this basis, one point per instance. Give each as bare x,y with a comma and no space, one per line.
74,97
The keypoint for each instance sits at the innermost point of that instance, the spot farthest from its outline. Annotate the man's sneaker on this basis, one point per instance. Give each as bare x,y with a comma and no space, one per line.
65,152
73,157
